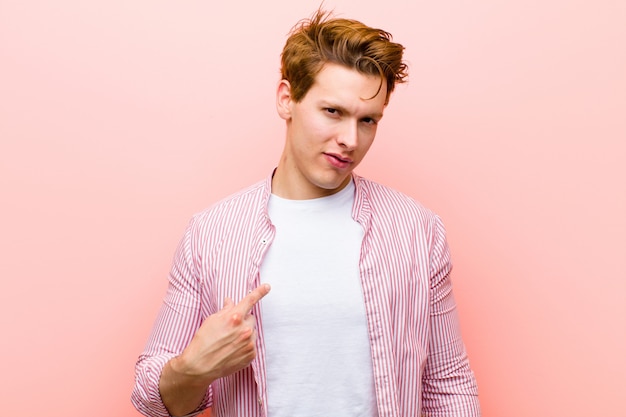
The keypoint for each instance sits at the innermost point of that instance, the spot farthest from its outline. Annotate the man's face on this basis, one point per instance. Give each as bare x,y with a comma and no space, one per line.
328,132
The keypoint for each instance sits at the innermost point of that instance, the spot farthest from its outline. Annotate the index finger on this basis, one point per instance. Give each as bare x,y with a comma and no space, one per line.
249,301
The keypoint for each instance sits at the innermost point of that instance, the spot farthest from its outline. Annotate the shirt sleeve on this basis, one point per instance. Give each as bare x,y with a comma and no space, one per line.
175,326
449,385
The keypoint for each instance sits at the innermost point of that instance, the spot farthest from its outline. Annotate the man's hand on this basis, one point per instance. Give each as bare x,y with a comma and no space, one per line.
225,342
223,345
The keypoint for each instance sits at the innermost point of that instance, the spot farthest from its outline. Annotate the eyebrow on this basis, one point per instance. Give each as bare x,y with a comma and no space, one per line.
342,109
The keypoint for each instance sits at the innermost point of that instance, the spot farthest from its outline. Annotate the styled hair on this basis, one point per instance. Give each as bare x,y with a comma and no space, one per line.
321,39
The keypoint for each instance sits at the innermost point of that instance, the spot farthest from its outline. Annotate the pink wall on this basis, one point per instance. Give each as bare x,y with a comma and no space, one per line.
120,119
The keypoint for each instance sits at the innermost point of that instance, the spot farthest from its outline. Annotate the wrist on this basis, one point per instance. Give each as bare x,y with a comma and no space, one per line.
186,370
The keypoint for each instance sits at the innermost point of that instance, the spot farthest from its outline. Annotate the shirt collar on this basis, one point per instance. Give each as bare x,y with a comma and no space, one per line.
361,210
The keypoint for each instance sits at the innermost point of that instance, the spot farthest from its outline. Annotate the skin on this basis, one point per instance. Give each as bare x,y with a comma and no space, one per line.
223,345
328,132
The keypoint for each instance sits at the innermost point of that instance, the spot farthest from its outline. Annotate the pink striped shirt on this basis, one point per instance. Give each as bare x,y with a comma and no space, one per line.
420,365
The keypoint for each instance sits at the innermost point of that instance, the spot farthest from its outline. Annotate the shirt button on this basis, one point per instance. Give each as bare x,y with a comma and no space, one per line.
264,242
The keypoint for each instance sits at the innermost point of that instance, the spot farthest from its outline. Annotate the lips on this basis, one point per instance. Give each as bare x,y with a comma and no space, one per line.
337,160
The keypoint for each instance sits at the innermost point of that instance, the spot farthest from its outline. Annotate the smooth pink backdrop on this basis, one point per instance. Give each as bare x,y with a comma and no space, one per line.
120,119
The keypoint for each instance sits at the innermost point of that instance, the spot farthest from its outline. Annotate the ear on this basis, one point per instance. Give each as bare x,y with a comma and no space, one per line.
283,99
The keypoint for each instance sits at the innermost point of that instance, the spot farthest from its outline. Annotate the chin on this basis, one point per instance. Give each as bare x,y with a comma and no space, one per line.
332,185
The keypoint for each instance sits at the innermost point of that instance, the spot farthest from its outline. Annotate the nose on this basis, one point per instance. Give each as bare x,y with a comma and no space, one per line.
349,136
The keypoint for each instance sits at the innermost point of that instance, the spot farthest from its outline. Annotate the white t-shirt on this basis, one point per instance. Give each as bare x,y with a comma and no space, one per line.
317,346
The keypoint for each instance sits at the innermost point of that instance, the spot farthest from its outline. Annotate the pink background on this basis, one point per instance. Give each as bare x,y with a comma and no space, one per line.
120,119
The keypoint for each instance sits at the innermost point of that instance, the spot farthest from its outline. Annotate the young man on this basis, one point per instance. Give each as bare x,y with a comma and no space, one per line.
361,320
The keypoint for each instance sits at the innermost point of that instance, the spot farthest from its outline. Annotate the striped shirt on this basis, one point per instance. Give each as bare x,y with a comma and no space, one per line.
420,365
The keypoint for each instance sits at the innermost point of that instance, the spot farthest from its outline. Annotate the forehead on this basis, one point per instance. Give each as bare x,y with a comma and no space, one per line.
336,82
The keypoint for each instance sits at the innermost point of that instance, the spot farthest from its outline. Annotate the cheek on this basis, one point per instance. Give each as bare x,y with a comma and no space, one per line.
367,139
364,151
317,132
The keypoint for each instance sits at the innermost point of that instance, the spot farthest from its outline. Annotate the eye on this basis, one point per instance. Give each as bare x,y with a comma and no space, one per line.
331,111
369,121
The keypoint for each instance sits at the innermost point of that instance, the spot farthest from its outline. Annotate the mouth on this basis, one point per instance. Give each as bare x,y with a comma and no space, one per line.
339,158
338,161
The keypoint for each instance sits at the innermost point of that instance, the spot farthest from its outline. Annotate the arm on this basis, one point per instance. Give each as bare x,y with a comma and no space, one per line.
449,386
177,321
185,354
223,345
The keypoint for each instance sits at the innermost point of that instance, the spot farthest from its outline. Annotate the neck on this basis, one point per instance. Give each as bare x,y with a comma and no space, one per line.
291,184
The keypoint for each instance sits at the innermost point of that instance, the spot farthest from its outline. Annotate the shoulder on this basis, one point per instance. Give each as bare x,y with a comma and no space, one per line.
237,208
387,201
398,217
